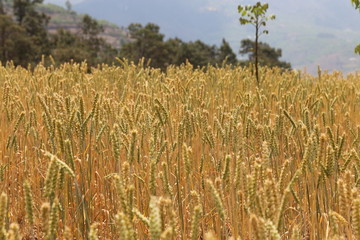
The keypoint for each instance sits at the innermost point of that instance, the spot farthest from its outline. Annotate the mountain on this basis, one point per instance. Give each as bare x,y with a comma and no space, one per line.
70,20
310,33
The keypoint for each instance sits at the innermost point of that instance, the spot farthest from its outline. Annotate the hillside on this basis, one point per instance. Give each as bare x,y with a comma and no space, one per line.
309,32
70,20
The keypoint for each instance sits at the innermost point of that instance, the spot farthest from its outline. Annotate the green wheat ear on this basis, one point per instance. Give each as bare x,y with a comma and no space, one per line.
28,202
195,222
155,219
3,214
53,220
356,218
258,228
218,203
45,214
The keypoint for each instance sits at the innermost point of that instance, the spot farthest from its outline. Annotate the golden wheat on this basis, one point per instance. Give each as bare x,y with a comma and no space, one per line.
185,153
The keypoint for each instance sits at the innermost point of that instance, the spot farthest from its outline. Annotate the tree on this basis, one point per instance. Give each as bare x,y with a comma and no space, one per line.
2,11
175,55
267,55
90,27
256,16
91,41
147,43
68,5
15,44
67,46
356,3
226,53
88,45
199,54
34,23
23,7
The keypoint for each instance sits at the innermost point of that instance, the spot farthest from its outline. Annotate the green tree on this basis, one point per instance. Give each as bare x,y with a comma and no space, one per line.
88,45
68,5
226,54
67,46
91,40
147,43
199,54
23,8
256,16
15,44
175,55
267,55
2,10
90,27
356,3
34,23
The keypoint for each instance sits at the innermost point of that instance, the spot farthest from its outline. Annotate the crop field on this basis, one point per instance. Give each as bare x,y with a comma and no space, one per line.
131,152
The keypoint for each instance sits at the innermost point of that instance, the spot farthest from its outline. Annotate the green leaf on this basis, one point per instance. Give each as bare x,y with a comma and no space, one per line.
356,3
357,49
255,14
243,21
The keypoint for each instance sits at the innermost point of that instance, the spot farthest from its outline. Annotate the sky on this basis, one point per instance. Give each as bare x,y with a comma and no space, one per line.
62,2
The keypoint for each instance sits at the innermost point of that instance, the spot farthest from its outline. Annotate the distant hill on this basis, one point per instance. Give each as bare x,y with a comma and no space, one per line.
309,32
70,20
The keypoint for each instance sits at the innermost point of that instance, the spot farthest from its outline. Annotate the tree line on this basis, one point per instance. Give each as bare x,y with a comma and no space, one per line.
24,39
149,43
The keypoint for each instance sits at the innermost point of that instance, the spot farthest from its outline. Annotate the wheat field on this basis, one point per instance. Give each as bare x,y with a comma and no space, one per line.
130,152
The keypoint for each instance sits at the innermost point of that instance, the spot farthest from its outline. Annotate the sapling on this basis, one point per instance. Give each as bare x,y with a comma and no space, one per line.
256,16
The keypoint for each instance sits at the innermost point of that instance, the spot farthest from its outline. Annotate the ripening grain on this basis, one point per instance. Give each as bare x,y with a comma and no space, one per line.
131,152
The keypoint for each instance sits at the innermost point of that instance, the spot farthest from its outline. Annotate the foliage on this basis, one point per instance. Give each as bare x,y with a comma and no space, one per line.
34,23
226,54
68,5
149,43
87,45
68,46
356,3
15,44
2,10
199,54
26,40
33,42
357,49
256,16
268,56
357,6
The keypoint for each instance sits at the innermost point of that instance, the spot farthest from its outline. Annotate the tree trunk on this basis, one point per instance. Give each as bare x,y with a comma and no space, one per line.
256,54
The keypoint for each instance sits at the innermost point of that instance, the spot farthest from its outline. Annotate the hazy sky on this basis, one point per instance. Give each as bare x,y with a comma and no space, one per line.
62,2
